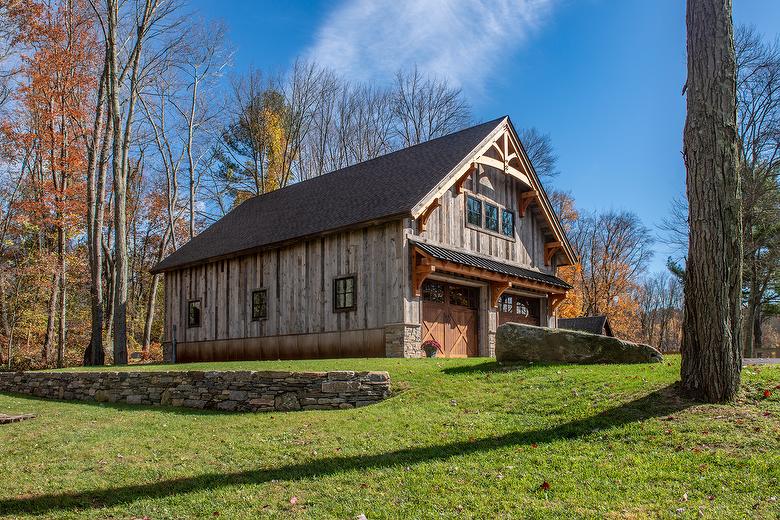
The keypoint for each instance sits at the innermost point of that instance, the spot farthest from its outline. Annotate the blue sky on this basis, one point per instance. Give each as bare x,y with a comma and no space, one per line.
602,77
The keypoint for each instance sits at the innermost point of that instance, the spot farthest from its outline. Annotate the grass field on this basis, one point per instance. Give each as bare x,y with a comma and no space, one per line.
459,439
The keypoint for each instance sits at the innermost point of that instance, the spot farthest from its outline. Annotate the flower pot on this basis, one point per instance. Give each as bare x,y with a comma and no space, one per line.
430,350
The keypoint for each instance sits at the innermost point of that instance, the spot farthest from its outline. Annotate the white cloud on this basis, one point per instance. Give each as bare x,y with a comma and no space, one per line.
462,40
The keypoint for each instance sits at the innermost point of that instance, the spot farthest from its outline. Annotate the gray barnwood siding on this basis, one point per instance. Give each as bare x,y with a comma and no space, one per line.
447,224
299,283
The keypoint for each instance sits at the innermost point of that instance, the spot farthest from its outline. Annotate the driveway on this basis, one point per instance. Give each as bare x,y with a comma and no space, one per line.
761,361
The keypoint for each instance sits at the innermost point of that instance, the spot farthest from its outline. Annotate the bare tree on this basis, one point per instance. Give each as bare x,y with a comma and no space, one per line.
711,347
426,107
125,46
540,151
758,120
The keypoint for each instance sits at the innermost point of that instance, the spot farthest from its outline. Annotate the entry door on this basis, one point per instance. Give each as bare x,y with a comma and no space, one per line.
450,316
518,309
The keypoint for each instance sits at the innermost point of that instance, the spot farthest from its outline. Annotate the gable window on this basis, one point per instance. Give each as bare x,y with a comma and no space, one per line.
259,304
507,223
474,211
491,217
193,313
344,293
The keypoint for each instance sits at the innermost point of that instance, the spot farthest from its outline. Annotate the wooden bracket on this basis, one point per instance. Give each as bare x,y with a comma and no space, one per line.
421,268
525,199
422,220
496,290
550,248
463,178
555,300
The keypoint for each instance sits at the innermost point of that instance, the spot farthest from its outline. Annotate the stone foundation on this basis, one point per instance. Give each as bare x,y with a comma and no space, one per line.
231,391
402,340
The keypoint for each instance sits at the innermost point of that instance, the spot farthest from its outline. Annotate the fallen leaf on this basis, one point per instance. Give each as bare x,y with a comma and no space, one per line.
545,486
534,445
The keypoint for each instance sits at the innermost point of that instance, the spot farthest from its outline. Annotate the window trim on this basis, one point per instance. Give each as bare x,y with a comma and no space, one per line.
252,304
481,211
336,280
514,224
200,314
483,201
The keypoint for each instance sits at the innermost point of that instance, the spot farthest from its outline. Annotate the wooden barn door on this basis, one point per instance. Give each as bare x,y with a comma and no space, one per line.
450,316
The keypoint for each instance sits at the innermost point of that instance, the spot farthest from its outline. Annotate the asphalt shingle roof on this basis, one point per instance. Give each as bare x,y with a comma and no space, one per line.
449,255
592,324
390,185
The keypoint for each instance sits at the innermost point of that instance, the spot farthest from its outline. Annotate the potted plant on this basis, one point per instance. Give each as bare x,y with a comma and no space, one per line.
430,347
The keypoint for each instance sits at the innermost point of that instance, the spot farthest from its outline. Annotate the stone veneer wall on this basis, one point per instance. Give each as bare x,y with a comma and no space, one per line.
230,390
403,340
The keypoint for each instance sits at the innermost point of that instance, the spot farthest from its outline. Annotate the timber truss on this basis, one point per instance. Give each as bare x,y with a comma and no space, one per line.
502,150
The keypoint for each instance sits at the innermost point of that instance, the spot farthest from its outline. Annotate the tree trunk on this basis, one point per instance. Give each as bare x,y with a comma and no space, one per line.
711,346
48,342
96,179
63,299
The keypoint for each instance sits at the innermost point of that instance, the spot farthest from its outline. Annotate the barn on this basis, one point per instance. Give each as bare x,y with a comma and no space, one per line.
443,240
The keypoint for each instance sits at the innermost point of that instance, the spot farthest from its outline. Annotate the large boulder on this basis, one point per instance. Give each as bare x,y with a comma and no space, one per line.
517,342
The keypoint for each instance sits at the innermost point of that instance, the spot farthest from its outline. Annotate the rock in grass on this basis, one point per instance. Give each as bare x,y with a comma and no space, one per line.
516,342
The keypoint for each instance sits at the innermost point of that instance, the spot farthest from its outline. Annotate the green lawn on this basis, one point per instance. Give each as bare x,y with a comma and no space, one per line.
459,439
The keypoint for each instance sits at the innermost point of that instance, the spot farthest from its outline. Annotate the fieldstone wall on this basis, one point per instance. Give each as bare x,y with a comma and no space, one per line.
240,391
403,340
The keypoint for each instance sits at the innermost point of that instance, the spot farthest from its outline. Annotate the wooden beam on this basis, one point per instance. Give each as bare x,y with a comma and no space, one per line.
493,163
496,290
421,268
498,150
463,178
550,248
555,300
423,219
525,199
424,265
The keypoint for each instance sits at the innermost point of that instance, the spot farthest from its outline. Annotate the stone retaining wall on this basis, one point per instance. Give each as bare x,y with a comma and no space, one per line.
232,391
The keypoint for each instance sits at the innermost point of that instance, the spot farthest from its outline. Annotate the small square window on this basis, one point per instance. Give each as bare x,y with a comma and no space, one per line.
193,313
507,223
491,217
344,293
259,304
474,211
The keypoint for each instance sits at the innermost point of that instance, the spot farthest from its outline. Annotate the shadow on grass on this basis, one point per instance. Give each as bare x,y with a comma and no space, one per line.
177,410
495,366
659,403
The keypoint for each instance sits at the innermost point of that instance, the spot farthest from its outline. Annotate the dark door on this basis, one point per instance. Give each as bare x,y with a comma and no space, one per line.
450,316
518,309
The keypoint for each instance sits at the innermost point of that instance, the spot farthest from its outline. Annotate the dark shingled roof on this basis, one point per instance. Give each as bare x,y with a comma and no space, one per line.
490,265
388,186
592,324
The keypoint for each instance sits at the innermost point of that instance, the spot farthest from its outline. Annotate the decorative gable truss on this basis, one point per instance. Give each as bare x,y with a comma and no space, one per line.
502,150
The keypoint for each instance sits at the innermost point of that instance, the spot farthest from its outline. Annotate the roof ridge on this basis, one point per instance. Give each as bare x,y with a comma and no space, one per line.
367,161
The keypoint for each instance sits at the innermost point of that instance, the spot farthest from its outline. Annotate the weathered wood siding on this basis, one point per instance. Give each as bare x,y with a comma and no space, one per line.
447,224
299,283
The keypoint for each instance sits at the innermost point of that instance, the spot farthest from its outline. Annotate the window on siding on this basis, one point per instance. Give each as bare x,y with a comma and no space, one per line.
259,304
193,313
344,293
474,211
507,303
491,217
507,223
